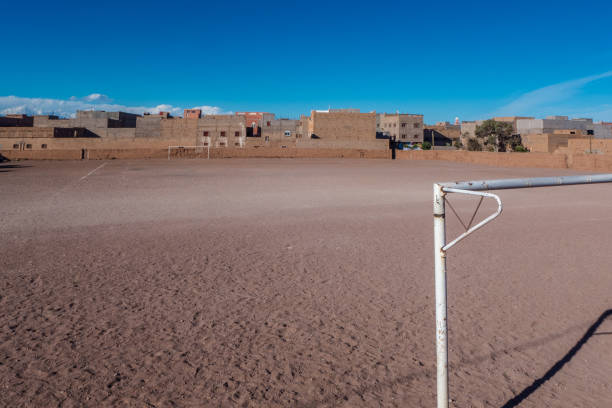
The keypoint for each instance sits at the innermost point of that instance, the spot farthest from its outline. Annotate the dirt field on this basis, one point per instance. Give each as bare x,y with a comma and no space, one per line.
302,283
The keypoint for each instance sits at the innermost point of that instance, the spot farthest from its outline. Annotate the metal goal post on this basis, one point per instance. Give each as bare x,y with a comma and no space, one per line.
477,188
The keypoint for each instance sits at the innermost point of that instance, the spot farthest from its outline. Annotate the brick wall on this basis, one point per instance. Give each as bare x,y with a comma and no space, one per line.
546,160
583,145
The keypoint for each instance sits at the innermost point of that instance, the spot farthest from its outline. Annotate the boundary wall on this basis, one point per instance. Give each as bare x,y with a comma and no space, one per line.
546,160
575,161
215,153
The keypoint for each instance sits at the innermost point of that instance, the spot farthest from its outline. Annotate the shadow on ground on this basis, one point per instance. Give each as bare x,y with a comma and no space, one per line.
514,402
9,167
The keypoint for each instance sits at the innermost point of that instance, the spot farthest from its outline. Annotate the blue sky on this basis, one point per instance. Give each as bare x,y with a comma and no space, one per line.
470,59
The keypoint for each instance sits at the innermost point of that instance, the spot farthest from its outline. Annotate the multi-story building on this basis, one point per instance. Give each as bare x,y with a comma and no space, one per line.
221,131
281,131
255,121
404,127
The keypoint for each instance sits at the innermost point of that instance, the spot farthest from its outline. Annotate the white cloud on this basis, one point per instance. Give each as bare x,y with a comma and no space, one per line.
549,98
97,98
94,101
209,110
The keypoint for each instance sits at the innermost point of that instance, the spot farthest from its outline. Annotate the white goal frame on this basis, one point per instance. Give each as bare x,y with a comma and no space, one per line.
195,148
477,188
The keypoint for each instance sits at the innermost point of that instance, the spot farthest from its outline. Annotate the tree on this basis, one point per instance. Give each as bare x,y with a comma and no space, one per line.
457,143
474,145
426,145
495,134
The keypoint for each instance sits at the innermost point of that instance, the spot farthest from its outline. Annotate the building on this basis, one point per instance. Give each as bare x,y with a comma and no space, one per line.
512,120
346,125
192,113
468,130
404,127
16,120
468,127
101,130
442,134
221,131
280,132
90,120
557,141
254,121
552,123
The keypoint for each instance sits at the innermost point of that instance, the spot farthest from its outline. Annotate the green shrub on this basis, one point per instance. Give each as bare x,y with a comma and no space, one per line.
520,148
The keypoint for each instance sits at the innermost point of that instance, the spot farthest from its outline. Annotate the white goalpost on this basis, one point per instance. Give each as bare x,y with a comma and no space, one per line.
184,151
477,188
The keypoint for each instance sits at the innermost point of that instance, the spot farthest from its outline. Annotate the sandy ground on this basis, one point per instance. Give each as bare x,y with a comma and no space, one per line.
302,283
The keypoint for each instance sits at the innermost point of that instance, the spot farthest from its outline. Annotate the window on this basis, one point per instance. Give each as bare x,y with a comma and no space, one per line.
416,125
416,136
268,124
403,125
267,138
222,134
206,133
395,125
404,136
43,146
237,134
16,146
287,133
28,146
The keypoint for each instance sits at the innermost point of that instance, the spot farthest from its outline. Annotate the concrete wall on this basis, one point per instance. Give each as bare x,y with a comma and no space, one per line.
584,145
577,161
347,126
109,154
545,160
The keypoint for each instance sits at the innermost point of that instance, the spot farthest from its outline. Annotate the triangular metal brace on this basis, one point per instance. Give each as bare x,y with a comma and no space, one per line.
482,223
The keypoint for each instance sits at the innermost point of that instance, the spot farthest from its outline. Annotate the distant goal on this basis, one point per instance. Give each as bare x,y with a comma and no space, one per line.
189,152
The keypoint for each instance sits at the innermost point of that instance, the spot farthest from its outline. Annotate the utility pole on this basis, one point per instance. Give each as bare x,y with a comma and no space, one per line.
433,142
